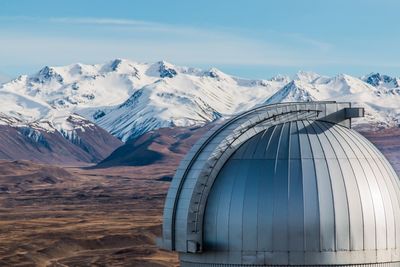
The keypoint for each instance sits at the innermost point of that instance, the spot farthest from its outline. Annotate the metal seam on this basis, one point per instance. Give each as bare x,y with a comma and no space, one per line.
394,180
369,188
330,182
391,196
330,130
275,175
380,192
316,189
357,184
265,119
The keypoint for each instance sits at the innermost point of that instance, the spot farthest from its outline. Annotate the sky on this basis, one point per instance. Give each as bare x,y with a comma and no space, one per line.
252,38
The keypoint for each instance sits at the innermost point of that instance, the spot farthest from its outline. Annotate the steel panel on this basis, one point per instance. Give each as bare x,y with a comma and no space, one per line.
296,207
391,186
394,194
260,149
388,209
250,203
387,196
224,188
379,211
327,208
355,206
265,206
339,193
367,205
236,207
210,219
283,151
280,213
305,148
294,142
311,206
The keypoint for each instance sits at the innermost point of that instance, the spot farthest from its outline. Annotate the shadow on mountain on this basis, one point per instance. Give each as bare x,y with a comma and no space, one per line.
165,145
90,145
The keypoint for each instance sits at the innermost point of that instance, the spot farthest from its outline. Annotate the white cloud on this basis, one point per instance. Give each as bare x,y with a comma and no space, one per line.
66,40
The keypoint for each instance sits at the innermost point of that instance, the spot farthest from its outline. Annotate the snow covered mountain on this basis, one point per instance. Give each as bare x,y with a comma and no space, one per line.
127,98
381,81
381,100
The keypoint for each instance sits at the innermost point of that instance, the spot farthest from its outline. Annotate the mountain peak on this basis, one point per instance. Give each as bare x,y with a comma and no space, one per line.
381,80
215,73
120,65
294,91
47,74
162,69
307,76
115,64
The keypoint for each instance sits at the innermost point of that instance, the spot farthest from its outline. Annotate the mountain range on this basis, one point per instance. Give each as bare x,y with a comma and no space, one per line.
83,112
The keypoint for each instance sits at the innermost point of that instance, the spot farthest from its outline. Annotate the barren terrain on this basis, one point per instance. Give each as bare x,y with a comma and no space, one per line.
51,216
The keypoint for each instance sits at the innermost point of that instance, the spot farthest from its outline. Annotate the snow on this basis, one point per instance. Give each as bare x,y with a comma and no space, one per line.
128,98
382,107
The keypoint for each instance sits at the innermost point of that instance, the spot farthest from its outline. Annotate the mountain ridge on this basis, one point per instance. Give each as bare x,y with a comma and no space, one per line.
128,98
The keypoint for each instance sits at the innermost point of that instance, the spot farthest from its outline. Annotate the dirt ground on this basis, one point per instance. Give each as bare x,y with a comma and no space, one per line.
53,216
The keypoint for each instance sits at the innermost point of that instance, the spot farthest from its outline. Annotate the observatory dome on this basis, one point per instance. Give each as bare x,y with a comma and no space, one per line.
292,187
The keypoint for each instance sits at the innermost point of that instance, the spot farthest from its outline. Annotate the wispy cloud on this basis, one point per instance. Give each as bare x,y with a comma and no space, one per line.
102,21
60,40
320,45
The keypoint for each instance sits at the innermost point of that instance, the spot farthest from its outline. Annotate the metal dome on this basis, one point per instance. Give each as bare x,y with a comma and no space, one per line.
288,184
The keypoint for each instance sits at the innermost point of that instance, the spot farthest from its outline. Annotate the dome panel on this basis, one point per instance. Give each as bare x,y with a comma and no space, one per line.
315,188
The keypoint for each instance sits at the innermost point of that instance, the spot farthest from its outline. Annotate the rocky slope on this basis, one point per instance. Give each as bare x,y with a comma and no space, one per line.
162,146
86,145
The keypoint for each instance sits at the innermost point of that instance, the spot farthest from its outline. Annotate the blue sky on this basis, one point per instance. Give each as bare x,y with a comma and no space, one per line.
254,39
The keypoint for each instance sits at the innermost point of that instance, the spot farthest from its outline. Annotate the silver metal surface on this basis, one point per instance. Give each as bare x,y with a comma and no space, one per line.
284,186
194,264
211,152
